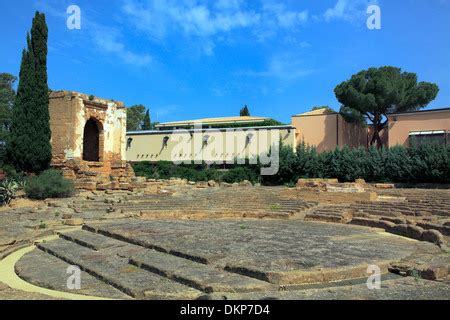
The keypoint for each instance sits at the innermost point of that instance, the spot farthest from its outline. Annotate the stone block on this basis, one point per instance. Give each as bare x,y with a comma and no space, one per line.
373,223
74,222
85,185
201,185
124,186
415,232
433,236
384,186
344,188
211,183
245,183
104,186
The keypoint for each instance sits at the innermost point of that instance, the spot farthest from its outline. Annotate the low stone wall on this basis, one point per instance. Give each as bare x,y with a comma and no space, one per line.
332,185
117,175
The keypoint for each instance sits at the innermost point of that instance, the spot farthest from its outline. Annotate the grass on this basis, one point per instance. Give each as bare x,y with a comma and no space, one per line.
275,206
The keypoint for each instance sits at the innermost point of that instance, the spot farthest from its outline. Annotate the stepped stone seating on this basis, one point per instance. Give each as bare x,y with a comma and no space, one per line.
195,259
189,202
418,214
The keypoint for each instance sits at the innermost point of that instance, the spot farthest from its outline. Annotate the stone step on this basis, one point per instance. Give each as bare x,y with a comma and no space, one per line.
52,273
199,276
116,271
170,214
91,240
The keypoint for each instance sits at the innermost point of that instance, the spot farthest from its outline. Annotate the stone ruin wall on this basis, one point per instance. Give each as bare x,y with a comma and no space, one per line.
69,113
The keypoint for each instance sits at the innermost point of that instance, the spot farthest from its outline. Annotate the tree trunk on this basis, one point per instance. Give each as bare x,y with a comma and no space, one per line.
377,127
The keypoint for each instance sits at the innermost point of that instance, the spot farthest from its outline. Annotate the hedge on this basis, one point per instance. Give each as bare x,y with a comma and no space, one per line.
426,163
197,172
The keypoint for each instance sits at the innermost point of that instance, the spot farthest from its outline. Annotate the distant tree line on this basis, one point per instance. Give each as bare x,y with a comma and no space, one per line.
138,118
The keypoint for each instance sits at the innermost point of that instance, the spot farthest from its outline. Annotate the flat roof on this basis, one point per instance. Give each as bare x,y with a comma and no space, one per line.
154,132
212,121
419,111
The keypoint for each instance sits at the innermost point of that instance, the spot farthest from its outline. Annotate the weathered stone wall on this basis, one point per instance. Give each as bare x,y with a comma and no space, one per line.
69,113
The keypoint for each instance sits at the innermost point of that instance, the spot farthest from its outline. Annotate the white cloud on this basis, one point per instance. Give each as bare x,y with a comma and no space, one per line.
158,17
283,17
104,38
108,40
208,21
348,10
285,66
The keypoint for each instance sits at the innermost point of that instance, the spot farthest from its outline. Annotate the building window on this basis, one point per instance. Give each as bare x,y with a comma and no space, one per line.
434,137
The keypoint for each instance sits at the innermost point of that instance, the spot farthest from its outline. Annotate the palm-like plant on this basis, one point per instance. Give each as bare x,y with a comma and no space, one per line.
8,190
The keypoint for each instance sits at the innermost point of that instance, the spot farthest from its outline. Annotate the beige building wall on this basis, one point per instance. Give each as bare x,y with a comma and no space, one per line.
222,145
327,131
402,125
317,130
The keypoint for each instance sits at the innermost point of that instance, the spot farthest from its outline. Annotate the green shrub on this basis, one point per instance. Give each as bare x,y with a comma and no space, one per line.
375,168
348,164
288,171
49,184
398,165
429,163
196,172
240,174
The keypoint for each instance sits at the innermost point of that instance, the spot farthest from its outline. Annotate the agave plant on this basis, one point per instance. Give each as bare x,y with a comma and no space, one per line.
8,190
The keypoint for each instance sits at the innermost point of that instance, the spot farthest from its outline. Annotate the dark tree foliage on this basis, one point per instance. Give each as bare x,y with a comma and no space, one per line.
374,93
424,163
7,95
327,108
244,112
28,147
147,125
135,117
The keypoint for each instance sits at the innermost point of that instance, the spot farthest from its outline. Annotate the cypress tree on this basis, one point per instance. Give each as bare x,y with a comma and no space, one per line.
147,124
29,147
244,112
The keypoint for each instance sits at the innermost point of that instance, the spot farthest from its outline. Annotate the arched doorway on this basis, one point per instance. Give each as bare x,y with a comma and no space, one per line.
91,141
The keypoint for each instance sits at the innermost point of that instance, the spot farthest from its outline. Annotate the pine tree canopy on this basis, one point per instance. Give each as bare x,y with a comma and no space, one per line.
374,93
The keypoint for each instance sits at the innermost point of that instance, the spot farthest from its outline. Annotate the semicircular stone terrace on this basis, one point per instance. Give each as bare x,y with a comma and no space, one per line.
190,259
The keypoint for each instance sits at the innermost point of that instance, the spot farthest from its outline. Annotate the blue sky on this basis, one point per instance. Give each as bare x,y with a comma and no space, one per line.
187,59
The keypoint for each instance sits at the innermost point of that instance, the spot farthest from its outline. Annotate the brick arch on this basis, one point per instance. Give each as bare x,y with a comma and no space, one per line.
93,140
